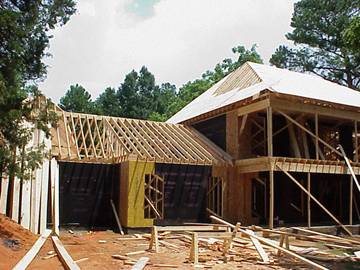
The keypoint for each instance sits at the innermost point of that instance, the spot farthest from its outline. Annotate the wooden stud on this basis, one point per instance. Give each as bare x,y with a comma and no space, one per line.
44,195
351,201
4,193
271,199
309,199
25,203
16,200
317,135
269,132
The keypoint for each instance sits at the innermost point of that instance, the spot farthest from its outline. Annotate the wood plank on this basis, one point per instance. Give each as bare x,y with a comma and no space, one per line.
4,193
327,235
35,201
271,199
55,195
16,200
259,248
64,256
349,167
44,195
309,199
140,264
116,217
30,255
25,203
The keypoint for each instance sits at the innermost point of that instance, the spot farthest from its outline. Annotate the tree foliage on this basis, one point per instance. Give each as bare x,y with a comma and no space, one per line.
24,37
326,33
77,99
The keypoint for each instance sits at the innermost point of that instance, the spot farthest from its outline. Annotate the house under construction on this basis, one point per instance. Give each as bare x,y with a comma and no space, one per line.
262,146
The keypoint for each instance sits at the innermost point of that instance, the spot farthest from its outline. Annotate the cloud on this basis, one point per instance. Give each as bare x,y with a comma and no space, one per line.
178,40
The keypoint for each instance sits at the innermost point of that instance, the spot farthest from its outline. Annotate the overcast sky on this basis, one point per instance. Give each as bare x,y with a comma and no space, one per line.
176,39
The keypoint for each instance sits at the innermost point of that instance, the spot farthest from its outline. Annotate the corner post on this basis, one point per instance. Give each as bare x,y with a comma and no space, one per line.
351,201
309,199
271,172
317,135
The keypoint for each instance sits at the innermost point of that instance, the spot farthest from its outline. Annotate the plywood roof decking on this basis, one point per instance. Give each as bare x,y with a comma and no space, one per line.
250,80
94,138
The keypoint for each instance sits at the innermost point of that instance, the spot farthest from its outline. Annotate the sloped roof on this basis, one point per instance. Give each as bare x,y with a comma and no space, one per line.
105,139
251,78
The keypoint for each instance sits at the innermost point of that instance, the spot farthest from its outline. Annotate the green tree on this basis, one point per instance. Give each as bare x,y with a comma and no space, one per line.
128,96
77,99
163,97
352,36
108,103
326,33
140,97
24,37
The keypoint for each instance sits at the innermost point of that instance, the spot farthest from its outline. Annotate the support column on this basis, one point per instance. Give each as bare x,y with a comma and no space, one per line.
269,132
351,201
271,173
317,135
356,142
271,198
309,199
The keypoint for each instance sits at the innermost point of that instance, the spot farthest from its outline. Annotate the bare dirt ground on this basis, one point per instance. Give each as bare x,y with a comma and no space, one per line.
95,250
15,241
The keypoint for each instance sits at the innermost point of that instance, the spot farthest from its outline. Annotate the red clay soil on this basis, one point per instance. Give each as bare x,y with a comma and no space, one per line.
15,241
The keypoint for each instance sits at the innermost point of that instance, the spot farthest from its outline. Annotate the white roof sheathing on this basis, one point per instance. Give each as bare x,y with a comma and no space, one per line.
273,79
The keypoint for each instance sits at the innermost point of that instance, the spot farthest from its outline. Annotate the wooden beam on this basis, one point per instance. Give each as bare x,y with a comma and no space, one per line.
25,203
347,161
30,255
269,132
63,255
271,199
356,147
327,235
253,107
351,201
281,104
116,217
44,195
309,199
317,135
16,200
55,195
4,193
315,200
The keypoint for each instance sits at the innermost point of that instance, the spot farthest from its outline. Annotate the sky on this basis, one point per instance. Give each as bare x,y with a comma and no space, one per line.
177,40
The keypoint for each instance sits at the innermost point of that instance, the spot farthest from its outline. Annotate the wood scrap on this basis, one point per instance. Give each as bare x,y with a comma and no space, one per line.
259,248
135,252
121,257
265,241
141,263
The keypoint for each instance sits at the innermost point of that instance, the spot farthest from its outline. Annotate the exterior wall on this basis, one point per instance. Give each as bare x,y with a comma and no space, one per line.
132,187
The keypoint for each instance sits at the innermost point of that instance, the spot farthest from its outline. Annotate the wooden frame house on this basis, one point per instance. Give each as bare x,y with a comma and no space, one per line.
294,139
262,146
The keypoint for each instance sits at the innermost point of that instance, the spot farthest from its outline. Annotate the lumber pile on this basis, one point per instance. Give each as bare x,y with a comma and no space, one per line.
223,242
